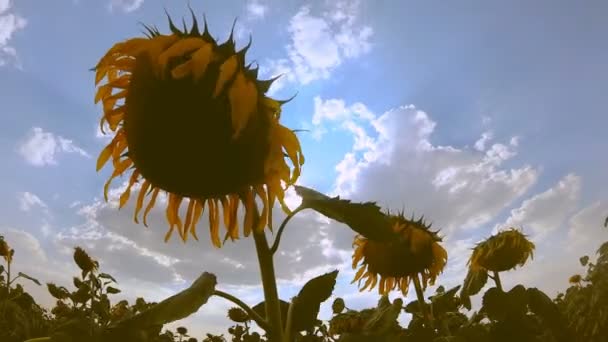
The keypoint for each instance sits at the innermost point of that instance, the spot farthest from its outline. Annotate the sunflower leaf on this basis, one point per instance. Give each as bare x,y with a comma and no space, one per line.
178,306
23,275
540,304
473,283
364,218
494,303
107,276
309,299
112,290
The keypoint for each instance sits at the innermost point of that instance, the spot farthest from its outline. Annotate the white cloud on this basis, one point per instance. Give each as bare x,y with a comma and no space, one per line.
320,43
9,24
28,200
256,10
126,6
394,161
480,144
546,212
41,148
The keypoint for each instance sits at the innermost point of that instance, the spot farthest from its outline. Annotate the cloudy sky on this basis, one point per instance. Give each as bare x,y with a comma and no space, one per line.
479,116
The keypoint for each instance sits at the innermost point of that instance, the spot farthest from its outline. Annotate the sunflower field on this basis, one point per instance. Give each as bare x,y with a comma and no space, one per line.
166,98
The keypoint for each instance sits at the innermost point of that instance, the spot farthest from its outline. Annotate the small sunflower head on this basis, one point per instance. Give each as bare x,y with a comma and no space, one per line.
192,120
575,279
238,315
414,251
5,250
502,252
182,330
84,261
338,305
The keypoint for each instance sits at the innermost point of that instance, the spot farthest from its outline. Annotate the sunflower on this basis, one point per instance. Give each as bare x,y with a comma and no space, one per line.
189,119
502,252
575,279
414,250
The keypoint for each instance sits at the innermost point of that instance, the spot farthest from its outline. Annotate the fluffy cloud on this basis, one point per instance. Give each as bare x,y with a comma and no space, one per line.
320,43
28,200
394,161
256,10
545,212
40,148
9,24
126,6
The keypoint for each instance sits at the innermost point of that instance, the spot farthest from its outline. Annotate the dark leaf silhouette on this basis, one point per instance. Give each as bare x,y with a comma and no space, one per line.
364,218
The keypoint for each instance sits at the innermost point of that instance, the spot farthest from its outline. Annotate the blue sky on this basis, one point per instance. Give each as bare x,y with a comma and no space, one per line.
479,115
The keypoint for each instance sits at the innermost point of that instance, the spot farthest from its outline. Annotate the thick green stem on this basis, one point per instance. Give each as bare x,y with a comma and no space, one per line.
258,320
423,307
496,278
289,324
271,296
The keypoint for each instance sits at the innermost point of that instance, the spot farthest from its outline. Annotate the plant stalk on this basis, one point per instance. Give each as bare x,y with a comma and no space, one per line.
496,278
420,294
271,296
277,240
258,320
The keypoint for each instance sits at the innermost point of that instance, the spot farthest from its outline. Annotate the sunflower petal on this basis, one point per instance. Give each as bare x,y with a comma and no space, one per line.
227,71
243,96
150,205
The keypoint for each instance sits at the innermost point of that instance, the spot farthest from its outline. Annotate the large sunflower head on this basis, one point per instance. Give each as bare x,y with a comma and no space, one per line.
502,252
189,118
413,251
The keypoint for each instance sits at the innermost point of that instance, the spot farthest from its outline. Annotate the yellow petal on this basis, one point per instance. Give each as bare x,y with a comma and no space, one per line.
198,211
249,212
118,170
262,221
359,274
104,156
200,60
103,92
180,48
243,96
213,223
226,211
189,213
140,199
234,208
125,195
227,71
150,205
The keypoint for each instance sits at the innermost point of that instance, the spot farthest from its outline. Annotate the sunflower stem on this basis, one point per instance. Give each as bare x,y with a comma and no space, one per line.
496,278
271,296
257,318
420,294
277,240
289,324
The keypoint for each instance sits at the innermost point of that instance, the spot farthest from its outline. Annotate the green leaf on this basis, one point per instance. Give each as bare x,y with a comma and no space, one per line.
23,275
260,309
107,276
547,310
384,319
309,299
584,260
58,292
473,283
445,302
494,303
112,290
174,308
364,218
